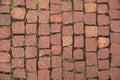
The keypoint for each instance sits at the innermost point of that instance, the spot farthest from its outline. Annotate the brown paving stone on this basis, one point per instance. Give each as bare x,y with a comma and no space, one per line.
31,52
15,52
31,4
44,63
18,27
43,77
31,16
4,9
18,13
32,76
20,73
5,19
56,74
56,62
5,76
31,65
18,40
4,45
114,72
18,62
5,32
103,75
5,67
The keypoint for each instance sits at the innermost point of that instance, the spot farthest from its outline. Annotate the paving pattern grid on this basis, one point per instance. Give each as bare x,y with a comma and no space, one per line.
59,39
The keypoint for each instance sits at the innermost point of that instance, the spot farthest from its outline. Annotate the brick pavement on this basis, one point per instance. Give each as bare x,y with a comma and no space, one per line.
59,39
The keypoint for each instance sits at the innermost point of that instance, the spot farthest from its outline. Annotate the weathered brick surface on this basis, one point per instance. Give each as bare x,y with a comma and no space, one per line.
59,39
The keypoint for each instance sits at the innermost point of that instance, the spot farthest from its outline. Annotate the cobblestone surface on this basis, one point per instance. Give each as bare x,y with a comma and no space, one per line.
59,39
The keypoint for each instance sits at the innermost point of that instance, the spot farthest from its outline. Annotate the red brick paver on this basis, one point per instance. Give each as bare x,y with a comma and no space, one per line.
59,39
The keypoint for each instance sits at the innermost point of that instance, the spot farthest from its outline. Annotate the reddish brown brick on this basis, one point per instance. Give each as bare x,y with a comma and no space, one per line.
103,53
90,7
114,14
55,9
44,29
91,44
19,73
115,37
67,52
31,65
43,75
79,76
31,29
91,31
31,16
102,8
103,30
90,0
90,18
4,9
18,13
67,30
7,2
31,52
4,32
66,6
103,64
114,4
30,40
68,75
67,40
80,66
67,17
68,65
44,42
115,48
17,2
78,5
78,28
56,50
56,62
114,25
44,52
78,54
103,75
78,16
103,42
15,52
4,45
56,74
56,39
103,20
91,72
31,4
91,58
18,27
5,76
5,19
56,28
44,63
78,41
43,16
115,73
32,76
18,40
56,1
44,4
18,62
5,67
115,61
101,1
56,18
